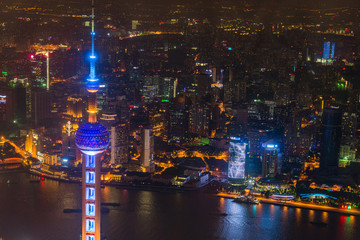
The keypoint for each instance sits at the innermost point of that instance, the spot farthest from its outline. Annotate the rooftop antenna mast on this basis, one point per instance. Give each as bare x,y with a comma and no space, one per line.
92,57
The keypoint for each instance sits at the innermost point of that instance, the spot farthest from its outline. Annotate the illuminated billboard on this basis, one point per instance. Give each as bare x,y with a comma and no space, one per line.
237,158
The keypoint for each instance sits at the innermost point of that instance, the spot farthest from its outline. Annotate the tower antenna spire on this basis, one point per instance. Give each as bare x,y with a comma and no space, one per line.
92,57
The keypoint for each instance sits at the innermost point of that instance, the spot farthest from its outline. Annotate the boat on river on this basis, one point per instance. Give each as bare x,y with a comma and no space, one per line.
246,199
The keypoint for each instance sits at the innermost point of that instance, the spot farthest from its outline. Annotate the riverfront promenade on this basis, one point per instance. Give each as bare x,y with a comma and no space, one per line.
297,205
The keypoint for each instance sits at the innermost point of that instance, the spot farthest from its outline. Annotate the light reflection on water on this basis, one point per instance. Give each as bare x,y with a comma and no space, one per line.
34,211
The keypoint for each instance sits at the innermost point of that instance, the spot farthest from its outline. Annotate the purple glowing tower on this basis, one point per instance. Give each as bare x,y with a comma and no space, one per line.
92,139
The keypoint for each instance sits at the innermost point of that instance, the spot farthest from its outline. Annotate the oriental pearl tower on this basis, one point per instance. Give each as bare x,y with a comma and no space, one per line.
92,139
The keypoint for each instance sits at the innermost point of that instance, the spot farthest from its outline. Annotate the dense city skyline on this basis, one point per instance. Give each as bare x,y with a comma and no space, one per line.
253,101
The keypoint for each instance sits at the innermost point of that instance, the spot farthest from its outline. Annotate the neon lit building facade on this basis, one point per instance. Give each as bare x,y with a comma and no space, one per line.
237,158
329,50
92,138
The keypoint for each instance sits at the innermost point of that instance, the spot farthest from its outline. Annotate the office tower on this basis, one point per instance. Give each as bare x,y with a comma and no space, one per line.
20,104
256,137
348,127
330,138
332,53
326,50
38,70
150,87
40,106
228,87
119,142
177,119
32,143
74,108
234,87
199,119
238,148
346,155
269,159
329,50
168,87
92,138
147,148
13,104
239,91
7,104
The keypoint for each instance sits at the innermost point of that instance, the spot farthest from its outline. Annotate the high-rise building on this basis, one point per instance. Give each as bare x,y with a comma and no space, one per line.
270,159
329,50
199,115
38,70
348,127
177,119
256,138
119,142
7,105
147,148
150,87
167,88
234,87
13,103
228,86
40,106
20,104
74,108
330,138
32,143
157,117
92,138
346,156
238,152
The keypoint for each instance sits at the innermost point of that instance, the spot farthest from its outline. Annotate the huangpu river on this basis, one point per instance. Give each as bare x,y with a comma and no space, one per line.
34,211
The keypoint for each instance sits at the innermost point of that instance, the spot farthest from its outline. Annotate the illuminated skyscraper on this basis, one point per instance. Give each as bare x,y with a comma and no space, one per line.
92,138
147,148
329,50
74,108
237,158
39,70
119,138
270,159
32,143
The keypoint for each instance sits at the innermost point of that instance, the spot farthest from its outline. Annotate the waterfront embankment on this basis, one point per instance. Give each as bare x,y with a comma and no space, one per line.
296,204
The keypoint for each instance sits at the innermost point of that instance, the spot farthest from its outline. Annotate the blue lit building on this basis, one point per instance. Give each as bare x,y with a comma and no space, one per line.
329,50
332,54
270,159
238,152
92,138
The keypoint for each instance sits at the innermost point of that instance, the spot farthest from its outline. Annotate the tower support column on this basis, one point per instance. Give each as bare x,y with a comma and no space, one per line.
91,197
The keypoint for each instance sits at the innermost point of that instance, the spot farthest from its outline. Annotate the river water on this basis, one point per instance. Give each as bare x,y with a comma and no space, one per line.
34,211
